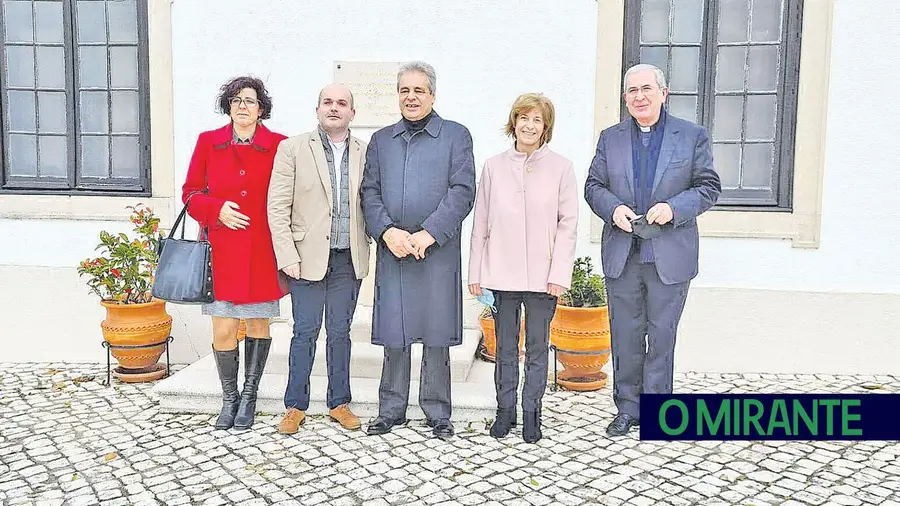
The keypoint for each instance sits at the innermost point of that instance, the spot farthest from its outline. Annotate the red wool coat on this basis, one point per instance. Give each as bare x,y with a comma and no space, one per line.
243,261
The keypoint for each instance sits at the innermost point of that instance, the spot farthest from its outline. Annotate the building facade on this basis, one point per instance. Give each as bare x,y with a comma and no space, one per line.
103,101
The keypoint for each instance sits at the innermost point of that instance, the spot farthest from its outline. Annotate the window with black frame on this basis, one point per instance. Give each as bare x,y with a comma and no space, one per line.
75,99
732,66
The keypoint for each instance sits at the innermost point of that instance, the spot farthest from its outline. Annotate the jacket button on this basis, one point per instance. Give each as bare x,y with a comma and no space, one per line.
327,237
244,193
243,172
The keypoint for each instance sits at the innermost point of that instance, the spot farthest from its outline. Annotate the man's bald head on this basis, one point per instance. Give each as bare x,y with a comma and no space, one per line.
336,89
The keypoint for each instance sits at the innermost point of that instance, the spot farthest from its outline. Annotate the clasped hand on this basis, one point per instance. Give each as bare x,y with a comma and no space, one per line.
402,243
660,213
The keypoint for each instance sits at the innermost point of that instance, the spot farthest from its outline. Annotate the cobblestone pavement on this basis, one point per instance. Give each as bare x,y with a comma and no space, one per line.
67,439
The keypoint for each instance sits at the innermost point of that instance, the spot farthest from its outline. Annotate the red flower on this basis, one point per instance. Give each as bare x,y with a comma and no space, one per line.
115,272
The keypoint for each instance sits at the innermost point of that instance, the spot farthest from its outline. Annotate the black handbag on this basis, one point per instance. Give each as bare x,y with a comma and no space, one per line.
184,272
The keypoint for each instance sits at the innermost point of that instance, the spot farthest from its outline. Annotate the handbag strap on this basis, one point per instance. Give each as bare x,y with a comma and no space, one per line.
180,219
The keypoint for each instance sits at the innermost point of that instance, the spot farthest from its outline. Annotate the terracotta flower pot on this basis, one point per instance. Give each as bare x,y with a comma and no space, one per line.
581,329
490,339
136,324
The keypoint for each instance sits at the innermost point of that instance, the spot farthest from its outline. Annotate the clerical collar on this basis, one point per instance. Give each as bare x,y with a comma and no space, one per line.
659,122
419,124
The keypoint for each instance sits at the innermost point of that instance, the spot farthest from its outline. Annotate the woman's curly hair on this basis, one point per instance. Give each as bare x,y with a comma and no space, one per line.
233,87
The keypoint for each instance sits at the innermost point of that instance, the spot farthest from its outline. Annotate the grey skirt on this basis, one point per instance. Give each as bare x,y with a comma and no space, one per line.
225,309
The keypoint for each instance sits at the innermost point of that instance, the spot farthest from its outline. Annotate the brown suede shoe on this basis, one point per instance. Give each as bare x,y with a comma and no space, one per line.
292,421
345,417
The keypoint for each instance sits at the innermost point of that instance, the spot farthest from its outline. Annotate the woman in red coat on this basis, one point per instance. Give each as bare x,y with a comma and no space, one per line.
225,191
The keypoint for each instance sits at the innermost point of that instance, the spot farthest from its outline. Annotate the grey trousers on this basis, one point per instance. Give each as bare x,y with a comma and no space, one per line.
539,310
644,314
434,383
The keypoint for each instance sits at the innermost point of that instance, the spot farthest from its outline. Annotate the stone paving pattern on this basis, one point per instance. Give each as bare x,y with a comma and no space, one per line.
65,438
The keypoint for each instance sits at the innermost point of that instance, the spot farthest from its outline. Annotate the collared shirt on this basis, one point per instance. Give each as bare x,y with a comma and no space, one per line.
237,140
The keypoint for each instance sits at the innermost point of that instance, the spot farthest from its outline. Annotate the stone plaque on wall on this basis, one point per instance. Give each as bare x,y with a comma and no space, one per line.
374,88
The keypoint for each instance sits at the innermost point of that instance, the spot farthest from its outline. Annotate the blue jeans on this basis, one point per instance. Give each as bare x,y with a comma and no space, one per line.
336,294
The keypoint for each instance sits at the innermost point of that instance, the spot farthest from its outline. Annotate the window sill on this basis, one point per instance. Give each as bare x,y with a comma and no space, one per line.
79,207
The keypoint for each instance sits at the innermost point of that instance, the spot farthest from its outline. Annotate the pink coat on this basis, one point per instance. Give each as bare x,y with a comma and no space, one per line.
526,218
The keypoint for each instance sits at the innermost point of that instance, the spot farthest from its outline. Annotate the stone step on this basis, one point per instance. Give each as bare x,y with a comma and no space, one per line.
365,358
196,389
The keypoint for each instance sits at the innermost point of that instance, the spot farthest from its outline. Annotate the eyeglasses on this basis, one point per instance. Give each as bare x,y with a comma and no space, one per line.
248,102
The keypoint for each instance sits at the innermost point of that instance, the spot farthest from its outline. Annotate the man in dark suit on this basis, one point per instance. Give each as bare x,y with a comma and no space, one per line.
656,167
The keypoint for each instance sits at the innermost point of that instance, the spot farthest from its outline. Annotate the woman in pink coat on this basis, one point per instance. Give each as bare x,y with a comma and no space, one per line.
523,252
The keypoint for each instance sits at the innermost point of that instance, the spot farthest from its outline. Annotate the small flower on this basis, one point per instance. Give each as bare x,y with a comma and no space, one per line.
115,272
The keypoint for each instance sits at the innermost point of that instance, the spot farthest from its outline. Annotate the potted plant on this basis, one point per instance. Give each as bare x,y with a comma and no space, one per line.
488,349
137,326
581,324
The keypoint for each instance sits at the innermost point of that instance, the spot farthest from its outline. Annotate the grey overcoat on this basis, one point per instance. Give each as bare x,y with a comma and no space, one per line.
414,182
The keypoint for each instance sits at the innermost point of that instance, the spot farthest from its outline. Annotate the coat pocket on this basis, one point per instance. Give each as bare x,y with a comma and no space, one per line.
298,235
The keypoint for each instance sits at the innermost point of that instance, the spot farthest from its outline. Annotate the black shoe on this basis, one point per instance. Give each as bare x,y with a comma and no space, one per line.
256,353
383,425
504,421
531,426
621,424
443,429
227,363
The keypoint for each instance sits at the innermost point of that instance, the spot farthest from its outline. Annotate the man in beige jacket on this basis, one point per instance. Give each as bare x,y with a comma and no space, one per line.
321,244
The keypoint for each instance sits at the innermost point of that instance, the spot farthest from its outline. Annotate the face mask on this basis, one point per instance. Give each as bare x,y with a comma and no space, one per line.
487,298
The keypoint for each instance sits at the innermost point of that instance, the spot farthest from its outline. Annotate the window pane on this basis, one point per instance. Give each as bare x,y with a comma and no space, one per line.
52,112
126,157
757,171
20,67
734,20
763,68
125,112
53,155
766,24
48,22
655,21
21,111
91,22
17,21
683,75
761,117
727,160
122,21
730,69
658,56
51,68
123,67
683,106
688,21
729,116
94,112
95,156
92,67
22,155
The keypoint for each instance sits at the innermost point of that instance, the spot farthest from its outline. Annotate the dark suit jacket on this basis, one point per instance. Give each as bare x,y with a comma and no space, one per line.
685,178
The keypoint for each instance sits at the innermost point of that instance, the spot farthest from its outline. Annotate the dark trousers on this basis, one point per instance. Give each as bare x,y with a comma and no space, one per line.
644,314
336,294
539,310
434,383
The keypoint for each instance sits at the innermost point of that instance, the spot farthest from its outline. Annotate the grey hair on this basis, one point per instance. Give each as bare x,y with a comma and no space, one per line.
640,67
419,66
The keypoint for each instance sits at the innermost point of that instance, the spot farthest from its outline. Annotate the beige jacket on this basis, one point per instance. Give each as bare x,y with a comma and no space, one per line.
300,204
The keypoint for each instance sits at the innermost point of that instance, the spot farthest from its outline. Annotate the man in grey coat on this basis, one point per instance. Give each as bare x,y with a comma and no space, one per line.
651,176
418,186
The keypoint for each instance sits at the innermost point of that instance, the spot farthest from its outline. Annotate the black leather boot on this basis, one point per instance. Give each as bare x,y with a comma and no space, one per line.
227,363
531,426
505,420
256,352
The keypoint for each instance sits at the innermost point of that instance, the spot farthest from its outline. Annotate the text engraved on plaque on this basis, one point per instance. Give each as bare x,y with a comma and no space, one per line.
374,88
